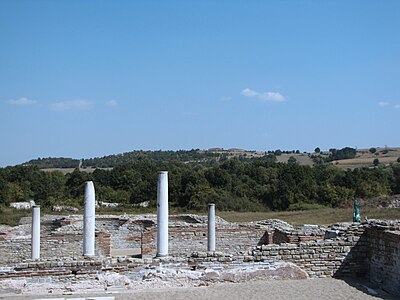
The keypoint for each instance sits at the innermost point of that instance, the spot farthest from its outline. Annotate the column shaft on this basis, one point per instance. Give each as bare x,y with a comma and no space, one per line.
162,214
35,232
211,228
89,220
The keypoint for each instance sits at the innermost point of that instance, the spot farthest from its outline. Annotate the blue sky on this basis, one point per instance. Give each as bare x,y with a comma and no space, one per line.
91,78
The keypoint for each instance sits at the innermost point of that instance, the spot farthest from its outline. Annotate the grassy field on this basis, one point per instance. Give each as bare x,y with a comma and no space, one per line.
302,158
365,159
325,216
10,216
70,170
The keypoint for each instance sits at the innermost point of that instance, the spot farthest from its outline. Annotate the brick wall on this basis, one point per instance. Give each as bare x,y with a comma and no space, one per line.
52,246
184,240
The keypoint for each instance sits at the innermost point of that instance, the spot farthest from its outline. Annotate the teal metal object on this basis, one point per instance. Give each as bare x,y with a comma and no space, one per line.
356,213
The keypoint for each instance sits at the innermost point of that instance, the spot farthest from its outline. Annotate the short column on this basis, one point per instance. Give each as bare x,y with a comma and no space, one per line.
162,214
35,232
211,228
89,220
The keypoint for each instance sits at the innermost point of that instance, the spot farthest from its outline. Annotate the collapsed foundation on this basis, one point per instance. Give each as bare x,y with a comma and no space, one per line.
127,245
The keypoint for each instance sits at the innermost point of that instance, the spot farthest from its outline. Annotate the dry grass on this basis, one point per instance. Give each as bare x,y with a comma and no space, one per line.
70,170
325,216
367,161
10,216
365,158
302,159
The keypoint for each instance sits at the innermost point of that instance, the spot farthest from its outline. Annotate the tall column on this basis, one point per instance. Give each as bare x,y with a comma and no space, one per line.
89,220
35,250
211,228
162,214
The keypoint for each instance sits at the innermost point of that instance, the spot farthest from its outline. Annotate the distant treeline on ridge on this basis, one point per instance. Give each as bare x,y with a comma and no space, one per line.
188,156
238,183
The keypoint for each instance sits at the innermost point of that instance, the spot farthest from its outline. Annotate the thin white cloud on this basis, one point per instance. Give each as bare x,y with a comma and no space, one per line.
22,101
71,105
272,96
249,93
397,106
266,96
383,103
112,103
225,98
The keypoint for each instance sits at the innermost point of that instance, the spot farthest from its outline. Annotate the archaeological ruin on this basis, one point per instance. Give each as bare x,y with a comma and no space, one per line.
107,251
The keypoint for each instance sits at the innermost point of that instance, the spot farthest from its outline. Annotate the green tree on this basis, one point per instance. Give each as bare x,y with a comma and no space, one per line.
376,162
12,192
317,150
76,182
372,150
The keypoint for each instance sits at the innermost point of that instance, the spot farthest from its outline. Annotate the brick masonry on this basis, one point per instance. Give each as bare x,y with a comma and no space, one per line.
370,250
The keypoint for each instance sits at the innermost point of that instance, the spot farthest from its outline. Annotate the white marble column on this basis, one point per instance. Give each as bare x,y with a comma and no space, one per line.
162,214
35,250
211,228
89,220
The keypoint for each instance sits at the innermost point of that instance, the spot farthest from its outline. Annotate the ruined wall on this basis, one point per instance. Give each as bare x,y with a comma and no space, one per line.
51,246
280,237
347,249
185,239
317,258
384,258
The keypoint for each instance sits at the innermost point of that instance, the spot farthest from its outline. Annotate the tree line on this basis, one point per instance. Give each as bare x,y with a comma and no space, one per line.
233,184
110,161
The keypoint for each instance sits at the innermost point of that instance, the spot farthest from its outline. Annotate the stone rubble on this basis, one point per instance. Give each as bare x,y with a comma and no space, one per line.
246,251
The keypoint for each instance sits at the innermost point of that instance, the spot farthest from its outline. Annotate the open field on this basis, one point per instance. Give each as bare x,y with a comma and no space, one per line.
365,159
70,170
302,158
325,216
361,162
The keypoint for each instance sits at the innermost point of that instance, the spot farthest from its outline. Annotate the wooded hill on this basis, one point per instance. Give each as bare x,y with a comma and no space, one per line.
240,183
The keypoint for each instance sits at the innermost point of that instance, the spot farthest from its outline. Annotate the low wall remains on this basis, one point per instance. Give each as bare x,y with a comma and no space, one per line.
370,250
384,258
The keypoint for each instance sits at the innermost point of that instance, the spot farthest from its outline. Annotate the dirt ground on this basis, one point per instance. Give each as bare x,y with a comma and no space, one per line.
326,288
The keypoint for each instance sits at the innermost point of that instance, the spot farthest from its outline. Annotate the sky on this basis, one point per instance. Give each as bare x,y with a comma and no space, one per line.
85,79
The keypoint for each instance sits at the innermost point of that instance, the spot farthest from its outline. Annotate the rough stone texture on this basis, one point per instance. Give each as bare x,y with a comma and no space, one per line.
384,259
93,276
370,250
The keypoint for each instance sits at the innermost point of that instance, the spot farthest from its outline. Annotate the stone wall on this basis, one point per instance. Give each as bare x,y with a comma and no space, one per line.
318,258
62,237
52,246
188,233
370,250
384,258
184,240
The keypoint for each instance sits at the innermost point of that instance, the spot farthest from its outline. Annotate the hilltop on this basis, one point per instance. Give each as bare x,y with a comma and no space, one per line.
355,158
